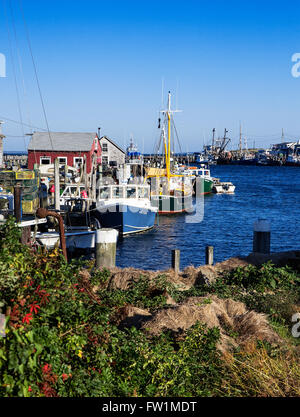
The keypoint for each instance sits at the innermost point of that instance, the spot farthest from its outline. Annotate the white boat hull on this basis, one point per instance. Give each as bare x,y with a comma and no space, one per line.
224,188
74,239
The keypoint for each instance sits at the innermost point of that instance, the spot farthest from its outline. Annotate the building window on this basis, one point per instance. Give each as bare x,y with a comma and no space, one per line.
62,160
104,147
77,162
45,160
105,160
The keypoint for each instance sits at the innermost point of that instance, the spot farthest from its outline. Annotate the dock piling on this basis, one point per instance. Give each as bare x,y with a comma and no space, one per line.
209,255
56,185
176,260
261,236
106,244
18,203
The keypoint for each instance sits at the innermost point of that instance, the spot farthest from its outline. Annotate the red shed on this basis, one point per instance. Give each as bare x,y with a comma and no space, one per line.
69,147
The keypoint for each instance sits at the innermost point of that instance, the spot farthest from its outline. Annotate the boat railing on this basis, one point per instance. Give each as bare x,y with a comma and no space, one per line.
72,191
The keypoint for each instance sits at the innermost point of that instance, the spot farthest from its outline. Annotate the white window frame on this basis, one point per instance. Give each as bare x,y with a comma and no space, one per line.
107,160
48,158
65,158
74,161
106,144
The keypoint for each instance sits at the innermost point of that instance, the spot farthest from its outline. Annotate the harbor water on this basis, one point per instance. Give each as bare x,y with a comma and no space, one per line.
268,192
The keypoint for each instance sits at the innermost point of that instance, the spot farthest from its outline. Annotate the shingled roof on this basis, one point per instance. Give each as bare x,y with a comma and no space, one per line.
61,141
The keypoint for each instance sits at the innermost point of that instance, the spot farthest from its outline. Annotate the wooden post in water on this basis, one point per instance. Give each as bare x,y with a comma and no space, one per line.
106,244
176,260
261,236
209,255
56,184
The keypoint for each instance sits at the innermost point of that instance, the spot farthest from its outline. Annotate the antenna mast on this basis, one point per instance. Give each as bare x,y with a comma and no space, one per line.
213,139
240,145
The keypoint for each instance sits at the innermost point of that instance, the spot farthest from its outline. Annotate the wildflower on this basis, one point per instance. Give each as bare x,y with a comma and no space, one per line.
43,294
34,307
29,388
26,319
46,368
65,377
79,353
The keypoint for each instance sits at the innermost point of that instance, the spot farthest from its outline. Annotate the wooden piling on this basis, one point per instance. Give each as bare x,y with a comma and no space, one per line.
209,255
262,236
18,203
56,185
176,260
106,246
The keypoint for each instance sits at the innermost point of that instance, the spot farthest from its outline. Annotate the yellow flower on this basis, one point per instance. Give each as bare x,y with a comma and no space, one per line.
79,353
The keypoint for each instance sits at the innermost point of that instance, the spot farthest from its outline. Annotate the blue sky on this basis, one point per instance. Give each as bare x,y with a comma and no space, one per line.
101,63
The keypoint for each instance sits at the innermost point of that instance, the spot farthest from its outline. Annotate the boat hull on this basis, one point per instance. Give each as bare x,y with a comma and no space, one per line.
224,188
126,219
205,185
74,240
168,204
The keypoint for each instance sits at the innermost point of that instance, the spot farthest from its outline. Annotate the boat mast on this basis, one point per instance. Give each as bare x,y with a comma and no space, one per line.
240,145
169,135
168,113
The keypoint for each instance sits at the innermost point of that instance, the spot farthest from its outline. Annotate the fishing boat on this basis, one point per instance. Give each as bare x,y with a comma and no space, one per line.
202,180
76,238
125,207
79,227
171,193
133,156
223,187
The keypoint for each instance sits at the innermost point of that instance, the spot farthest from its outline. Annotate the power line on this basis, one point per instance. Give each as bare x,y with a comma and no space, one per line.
24,124
35,72
20,64
14,73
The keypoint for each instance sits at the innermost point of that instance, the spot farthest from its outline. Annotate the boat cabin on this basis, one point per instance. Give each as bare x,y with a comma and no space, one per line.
108,192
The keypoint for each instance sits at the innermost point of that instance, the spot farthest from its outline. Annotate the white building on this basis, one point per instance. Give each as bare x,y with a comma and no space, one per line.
112,154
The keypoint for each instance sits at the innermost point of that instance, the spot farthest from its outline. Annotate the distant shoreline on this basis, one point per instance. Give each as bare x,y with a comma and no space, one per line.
15,153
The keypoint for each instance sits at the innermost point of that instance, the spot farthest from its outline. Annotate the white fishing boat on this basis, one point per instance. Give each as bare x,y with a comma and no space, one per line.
223,188
125,207
76,238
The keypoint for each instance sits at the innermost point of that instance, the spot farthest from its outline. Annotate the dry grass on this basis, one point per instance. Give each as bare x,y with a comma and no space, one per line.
254,372
237,325
122,278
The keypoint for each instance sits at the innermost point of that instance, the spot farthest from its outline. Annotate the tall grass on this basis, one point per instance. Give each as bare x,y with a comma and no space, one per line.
257,372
